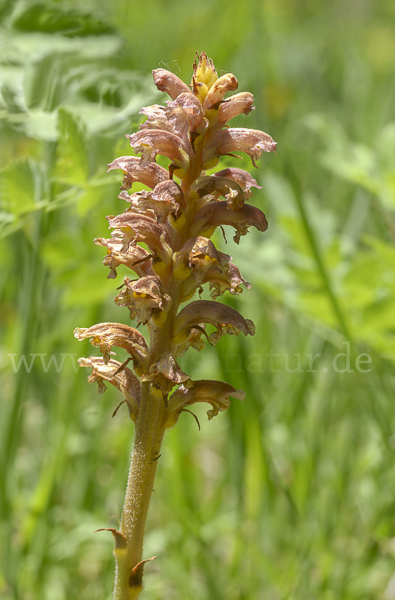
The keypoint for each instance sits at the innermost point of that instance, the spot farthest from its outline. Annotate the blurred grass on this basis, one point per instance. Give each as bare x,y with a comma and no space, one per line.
289,495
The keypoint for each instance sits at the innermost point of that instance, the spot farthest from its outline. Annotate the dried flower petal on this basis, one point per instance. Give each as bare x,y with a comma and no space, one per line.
193,340
140,228
186,112
220,186
106,335
216,393
193,261
143,297
169,192
150,174
157,118
165,373
163,200
199,262
150,142
219,213
224,318
243,178
124,380
136,258
220,281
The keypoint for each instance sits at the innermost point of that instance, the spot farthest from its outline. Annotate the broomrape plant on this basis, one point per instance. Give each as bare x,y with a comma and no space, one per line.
174,222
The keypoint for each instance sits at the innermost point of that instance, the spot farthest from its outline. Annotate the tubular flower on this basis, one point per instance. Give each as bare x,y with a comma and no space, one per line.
163,236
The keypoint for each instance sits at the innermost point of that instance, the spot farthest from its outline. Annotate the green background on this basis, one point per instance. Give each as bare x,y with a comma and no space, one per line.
290,494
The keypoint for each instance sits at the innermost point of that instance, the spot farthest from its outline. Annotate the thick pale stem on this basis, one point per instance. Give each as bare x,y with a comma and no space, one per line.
146,451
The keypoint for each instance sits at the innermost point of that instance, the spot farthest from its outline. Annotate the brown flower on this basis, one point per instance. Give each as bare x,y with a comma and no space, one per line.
224,318
226,141
216,393
106,335
136,258
149,174
150,142
219,213
144,298
137,228
243,178
240,104
165,373
119,376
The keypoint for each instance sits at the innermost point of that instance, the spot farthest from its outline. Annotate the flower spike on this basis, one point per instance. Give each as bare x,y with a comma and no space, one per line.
163,236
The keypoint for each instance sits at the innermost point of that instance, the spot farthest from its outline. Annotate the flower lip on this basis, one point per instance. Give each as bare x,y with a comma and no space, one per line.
210,266
221,281
169,191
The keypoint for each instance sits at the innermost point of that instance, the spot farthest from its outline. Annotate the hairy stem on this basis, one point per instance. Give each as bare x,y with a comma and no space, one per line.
148,441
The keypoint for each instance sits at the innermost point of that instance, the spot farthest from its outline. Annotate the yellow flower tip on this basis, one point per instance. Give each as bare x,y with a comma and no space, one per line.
211,113
201,91
208,232
181,337
181,272
159,268
210,258
204,76
211,163
186,297
154,391
159,319
139,295
204,71
179,224
178,172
